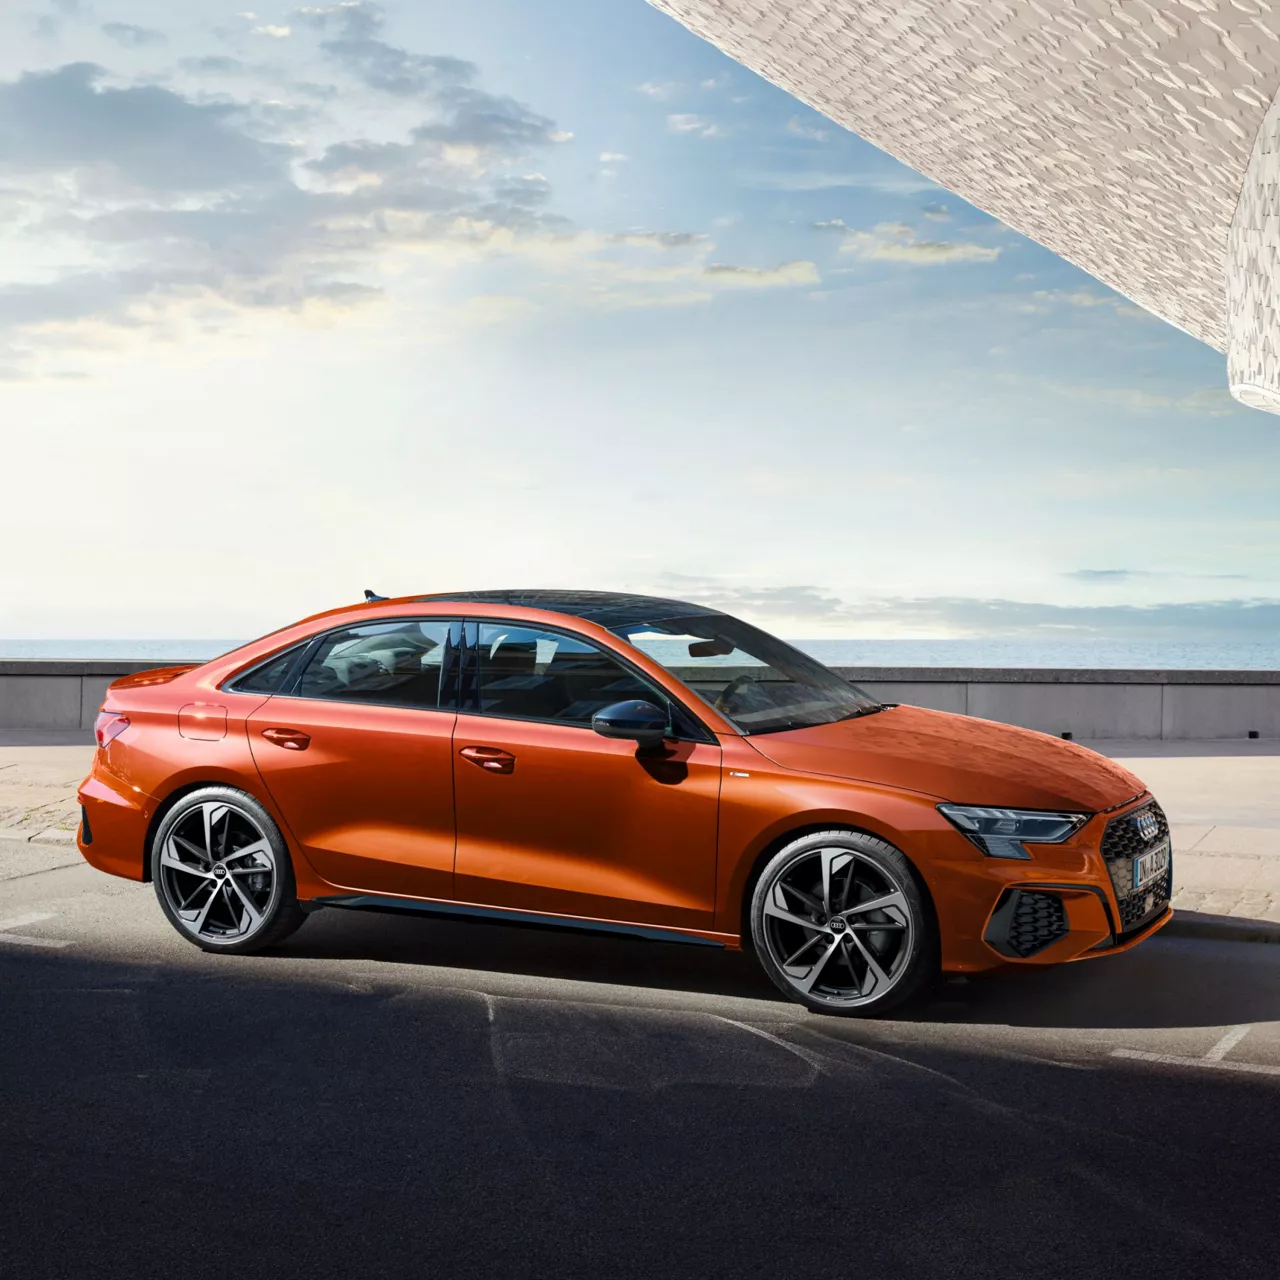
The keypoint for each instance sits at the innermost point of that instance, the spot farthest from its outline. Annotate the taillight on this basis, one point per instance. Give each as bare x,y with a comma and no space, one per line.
109,726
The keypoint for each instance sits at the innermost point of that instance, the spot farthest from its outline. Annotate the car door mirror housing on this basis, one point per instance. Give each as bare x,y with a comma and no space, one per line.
634,720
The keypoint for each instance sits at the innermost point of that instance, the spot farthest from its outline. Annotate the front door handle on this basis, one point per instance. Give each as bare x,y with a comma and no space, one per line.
490,759
290,739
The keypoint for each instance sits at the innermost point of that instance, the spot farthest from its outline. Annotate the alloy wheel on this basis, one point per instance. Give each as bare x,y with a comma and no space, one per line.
218,873
838,926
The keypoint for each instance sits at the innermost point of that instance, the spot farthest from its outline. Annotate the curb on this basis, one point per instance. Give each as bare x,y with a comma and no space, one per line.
1198,924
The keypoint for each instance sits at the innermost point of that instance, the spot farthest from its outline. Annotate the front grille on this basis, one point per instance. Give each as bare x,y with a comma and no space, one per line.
1038,920
1121,843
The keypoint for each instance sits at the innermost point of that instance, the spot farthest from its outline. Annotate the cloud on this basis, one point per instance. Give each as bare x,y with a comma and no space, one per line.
215,64
1201,620
131,37
902,183
785,274
174,209
494,308
658,92
1239,619
658,239
1209,401
1106,576
897,242
1088,298
936,213
475,119
614,300
274,32
138,138
172,213
694,125
612,157
386,67
799,129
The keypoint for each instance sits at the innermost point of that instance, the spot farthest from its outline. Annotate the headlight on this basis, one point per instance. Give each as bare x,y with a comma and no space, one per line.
1002,833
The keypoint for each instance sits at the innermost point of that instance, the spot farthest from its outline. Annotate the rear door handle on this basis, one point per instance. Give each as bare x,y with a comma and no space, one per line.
290,739
490,759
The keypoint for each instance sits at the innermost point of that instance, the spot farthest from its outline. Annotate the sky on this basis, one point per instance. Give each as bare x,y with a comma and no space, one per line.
427,296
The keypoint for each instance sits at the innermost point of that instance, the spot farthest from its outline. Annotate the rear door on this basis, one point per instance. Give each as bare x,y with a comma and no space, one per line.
552,817
358,756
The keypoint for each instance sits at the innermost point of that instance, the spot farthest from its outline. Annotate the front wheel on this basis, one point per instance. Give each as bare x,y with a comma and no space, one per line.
841,924
222,873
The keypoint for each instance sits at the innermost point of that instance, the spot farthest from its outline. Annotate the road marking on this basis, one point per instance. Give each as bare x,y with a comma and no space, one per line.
1227,1043
24,940
1212,1064
1216,1057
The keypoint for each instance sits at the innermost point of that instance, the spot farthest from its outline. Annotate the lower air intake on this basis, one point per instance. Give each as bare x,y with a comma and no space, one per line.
1025,922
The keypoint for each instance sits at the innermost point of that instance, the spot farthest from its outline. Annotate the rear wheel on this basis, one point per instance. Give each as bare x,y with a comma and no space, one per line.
841,924
222,873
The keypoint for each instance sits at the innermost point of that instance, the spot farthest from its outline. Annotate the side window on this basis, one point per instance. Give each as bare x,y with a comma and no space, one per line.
398,663
271,675
542,675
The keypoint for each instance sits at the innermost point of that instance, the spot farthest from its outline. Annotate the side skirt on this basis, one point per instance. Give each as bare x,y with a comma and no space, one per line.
411,906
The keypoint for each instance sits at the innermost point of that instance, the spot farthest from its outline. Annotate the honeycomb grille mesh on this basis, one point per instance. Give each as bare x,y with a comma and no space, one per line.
1038,920
1121,843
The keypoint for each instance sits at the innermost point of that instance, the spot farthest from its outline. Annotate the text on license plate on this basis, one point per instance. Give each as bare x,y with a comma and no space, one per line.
1150,866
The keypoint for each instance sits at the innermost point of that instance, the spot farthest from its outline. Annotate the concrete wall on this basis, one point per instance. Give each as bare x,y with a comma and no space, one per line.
51,696
1193,705
1190,705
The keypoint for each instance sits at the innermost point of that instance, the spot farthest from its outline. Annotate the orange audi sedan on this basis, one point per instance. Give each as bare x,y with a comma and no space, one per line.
618,764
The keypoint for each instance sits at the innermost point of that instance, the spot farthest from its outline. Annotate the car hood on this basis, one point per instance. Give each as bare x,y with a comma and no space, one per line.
955,758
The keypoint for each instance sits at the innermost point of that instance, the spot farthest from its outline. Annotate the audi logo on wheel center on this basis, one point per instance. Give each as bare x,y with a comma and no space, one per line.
1148,826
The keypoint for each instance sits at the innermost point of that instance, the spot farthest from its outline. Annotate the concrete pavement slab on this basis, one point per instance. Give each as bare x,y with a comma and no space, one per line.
1186,838
1233,784
1251,841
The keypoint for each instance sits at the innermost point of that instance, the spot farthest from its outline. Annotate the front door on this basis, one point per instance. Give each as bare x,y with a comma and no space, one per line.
359,758
554,818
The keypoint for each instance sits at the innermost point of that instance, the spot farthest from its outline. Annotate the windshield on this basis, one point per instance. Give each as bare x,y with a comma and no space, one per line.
757,682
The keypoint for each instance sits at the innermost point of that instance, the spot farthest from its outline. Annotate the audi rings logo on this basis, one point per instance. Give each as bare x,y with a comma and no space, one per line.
1148,826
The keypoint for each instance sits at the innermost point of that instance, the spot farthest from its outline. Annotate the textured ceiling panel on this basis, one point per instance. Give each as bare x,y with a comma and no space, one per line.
1115,132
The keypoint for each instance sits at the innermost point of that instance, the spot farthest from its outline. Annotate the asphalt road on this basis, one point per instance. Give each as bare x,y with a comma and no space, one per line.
400,1097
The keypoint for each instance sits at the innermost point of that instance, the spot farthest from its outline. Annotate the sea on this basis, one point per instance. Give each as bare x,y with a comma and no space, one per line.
1089,654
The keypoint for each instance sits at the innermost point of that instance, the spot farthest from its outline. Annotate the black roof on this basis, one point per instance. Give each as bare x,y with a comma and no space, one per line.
610,609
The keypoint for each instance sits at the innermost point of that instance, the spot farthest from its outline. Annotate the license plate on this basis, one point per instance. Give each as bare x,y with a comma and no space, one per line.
1150,866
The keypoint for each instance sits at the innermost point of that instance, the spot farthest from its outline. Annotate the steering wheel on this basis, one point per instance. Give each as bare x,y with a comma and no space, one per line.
731,691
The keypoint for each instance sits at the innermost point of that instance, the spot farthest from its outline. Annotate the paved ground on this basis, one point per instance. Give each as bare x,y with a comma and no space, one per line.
404,1097
38,782
1223,802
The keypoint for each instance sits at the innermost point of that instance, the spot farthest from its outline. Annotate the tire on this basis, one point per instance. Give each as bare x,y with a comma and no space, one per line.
850,968
237,896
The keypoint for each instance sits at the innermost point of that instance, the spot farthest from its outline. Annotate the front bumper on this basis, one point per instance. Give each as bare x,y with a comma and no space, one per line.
1070,902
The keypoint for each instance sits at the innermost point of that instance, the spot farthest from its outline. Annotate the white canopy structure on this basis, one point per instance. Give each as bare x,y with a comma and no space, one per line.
1138,139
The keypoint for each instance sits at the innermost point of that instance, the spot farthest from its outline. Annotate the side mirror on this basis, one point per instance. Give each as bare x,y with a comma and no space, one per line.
635,720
